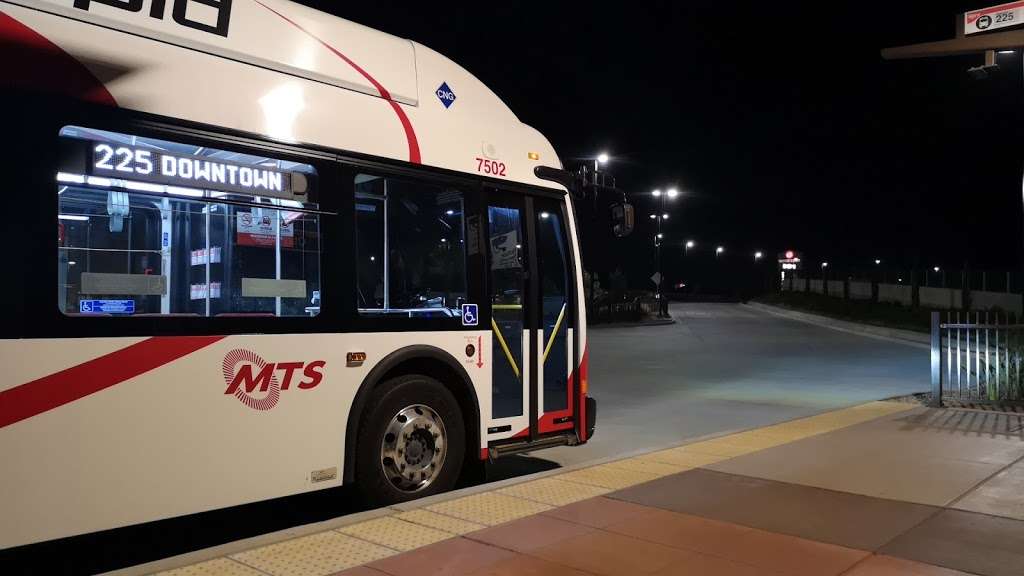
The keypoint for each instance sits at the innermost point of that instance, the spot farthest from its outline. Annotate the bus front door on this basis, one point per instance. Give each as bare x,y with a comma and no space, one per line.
532,317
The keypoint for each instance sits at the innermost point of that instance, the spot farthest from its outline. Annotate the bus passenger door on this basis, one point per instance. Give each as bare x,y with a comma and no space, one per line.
556,317
507,289
531,298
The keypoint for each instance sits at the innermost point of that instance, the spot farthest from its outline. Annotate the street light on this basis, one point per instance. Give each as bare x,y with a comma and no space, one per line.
824,264
758,255
671,195
690,244
877,261
602,158
719,250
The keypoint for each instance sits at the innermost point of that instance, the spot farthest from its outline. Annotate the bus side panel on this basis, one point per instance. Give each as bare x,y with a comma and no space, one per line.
89,445
474,133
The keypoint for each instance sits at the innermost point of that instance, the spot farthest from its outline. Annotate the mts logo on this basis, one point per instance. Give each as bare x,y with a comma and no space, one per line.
258,384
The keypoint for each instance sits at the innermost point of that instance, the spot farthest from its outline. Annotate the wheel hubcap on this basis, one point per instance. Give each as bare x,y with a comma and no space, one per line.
413,448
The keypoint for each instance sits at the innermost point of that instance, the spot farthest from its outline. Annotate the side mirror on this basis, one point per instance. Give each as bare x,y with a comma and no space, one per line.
623,219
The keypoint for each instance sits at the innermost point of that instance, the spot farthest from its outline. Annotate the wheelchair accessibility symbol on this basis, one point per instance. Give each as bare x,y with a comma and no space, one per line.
470,315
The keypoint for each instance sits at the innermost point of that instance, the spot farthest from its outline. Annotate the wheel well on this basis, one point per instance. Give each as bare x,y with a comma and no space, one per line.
427,361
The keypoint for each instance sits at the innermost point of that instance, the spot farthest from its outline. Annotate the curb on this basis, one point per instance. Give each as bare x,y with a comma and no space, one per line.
915,339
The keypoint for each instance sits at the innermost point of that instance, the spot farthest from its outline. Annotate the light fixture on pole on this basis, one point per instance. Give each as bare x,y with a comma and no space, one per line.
758,255
824,264
719,251
660,217
877,262
602,158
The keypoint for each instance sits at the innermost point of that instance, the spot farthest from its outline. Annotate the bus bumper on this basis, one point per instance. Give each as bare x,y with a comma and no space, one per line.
591,416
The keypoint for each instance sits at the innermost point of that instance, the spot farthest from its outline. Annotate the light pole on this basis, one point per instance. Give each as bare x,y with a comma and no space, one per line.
689,244
758,255
602,158
719,251
661,216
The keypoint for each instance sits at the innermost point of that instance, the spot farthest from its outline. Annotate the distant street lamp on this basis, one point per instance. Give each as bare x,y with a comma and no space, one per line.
824,264
718,251
758,256
936,269
671,194
602,158
877,261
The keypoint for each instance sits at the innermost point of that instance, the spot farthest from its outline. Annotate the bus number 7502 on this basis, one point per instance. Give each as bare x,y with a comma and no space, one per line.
492,167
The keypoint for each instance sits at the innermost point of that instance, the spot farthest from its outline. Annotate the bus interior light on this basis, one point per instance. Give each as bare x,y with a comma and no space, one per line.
70,178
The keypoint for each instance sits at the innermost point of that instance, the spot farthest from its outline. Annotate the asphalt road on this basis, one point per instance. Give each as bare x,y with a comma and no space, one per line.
726,367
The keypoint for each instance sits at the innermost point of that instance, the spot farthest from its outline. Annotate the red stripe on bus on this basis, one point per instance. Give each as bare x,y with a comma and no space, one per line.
31,61
410,133
49,392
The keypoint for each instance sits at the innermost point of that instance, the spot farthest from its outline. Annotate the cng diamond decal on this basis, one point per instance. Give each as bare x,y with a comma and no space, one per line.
445,95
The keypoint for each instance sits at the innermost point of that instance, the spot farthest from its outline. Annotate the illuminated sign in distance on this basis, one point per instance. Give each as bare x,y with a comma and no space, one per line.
130,162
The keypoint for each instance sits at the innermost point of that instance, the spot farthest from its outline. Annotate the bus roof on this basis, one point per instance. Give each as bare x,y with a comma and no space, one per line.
286,71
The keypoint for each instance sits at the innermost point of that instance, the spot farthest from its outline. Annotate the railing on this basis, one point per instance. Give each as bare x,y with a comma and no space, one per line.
976,358
632,310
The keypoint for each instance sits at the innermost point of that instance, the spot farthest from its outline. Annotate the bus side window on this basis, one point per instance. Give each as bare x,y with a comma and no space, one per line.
133,240
410,247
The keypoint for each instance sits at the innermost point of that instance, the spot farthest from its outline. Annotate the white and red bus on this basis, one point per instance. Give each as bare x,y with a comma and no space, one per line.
291,253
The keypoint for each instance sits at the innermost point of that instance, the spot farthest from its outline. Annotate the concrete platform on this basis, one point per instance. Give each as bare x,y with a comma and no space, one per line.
819,496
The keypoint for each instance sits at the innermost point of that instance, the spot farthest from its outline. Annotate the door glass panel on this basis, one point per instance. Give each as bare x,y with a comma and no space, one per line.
505,246
554,283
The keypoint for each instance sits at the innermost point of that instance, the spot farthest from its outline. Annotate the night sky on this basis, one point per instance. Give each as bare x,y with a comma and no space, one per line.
781,122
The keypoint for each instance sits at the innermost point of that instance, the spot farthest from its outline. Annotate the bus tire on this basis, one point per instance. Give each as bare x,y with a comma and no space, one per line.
411,442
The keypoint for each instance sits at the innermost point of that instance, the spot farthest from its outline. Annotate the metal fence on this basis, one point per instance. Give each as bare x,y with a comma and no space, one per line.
632,310
976,358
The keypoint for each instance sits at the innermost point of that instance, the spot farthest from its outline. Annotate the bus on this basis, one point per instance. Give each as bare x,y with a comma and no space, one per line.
291,253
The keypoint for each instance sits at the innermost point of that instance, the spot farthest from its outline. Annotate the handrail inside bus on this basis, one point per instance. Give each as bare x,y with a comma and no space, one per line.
551,340
504,347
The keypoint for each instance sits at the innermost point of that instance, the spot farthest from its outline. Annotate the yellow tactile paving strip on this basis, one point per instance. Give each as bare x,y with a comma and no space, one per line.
315,555
553,491
329,552
442,522
216,567
490,508
396,533
654,467
607,476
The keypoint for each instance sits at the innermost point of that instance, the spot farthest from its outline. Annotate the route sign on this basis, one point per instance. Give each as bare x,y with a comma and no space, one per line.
994,18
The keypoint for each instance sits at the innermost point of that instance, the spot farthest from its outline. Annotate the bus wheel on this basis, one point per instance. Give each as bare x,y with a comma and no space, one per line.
412,441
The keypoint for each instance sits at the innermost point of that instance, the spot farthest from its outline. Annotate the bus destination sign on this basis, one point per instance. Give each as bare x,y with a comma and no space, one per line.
158,167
